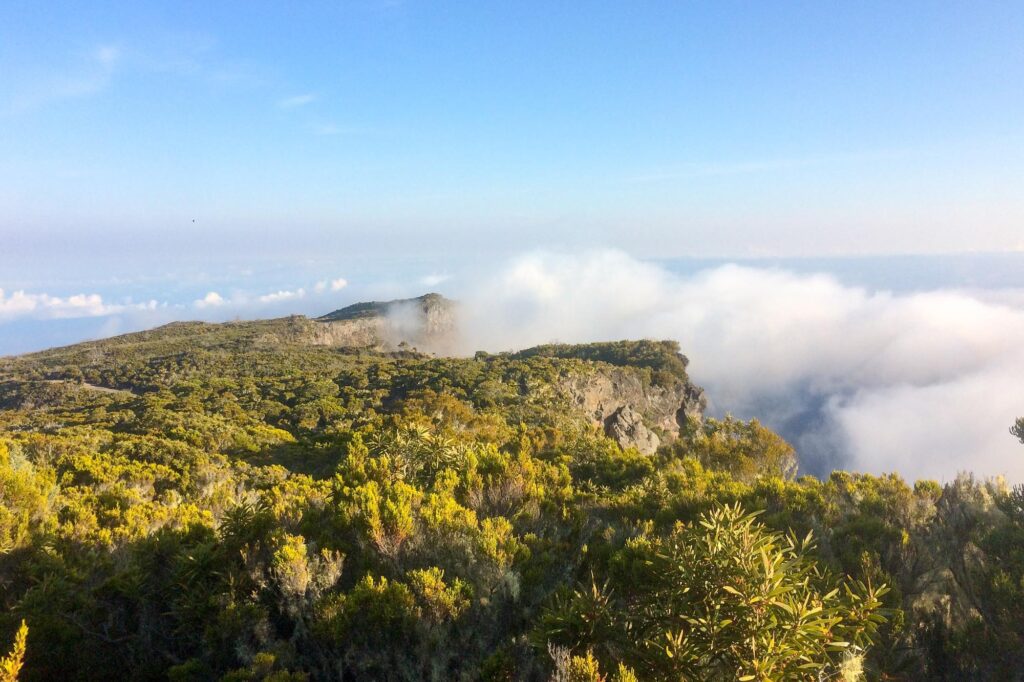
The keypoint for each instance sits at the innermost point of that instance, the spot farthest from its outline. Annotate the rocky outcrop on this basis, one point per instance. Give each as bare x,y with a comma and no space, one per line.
626,426
632,411
427,323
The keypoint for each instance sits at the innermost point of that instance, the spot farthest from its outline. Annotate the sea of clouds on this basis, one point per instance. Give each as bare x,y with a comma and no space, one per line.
925,384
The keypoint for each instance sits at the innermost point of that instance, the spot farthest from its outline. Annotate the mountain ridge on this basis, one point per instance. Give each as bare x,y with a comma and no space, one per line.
636,392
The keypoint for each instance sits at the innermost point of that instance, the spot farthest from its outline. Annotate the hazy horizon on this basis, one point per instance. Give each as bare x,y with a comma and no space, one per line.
44,311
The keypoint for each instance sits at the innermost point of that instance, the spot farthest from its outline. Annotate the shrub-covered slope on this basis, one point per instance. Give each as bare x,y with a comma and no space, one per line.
244,502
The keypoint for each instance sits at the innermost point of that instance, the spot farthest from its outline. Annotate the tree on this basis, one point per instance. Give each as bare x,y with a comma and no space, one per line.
1018,429
744,449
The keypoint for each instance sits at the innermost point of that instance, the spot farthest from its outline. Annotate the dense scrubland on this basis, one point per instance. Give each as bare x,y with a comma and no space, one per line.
206,502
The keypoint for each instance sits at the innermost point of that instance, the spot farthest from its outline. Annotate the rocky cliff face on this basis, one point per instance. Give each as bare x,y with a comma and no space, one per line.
370,332
427,323
619,396
633,412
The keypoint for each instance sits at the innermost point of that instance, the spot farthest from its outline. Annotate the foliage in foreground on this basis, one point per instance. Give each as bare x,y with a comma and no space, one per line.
11,664
719,598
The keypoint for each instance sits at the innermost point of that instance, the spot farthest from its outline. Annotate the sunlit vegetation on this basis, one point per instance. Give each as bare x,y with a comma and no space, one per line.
11,664
217,502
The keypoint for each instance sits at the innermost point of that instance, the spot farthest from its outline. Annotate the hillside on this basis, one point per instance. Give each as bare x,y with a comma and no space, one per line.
315,499
637,403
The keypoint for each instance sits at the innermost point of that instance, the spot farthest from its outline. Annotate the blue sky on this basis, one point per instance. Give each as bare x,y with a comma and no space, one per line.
718,128
157,151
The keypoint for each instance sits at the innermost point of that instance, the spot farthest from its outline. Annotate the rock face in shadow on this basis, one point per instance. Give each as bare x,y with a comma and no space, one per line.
632,411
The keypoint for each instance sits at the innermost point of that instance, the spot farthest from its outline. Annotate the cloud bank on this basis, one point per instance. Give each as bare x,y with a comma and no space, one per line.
925,384
44,306
20,304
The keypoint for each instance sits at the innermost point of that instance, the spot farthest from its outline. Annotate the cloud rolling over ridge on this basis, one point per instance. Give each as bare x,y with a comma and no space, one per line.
923,383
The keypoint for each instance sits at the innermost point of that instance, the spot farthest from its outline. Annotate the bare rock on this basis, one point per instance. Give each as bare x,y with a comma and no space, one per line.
626,426
633,411
427,323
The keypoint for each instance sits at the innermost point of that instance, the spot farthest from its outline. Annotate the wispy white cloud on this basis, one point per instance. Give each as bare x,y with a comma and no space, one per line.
88,75
211,300
20,304
327,129
296,101
283,295
195,55
240,299
107,55
332,284
93,71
